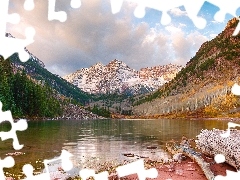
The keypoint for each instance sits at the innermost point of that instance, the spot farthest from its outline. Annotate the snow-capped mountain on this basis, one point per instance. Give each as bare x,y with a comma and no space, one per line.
118,77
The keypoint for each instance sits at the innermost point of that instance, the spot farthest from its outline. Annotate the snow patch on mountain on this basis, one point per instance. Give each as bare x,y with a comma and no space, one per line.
118,77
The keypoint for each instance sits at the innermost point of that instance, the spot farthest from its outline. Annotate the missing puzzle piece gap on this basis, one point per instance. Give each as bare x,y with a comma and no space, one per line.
20,125
116,5
53,15
29,5
76,4
235,33
8,162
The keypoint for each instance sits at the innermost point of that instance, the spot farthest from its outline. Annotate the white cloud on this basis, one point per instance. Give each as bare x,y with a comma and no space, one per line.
172,29
213,35
182,25
183,45
215,22
92,34
178,12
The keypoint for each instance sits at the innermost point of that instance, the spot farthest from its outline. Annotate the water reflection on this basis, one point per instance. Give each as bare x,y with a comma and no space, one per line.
107,140
97,141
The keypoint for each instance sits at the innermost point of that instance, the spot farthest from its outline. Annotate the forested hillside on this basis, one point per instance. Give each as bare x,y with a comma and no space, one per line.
37,71
204,85
24,97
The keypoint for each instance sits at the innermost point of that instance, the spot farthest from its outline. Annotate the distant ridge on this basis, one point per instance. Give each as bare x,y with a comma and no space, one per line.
117,76
203,87
35,68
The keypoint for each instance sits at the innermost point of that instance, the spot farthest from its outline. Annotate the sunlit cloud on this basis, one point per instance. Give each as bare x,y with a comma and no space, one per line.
93,34
178,12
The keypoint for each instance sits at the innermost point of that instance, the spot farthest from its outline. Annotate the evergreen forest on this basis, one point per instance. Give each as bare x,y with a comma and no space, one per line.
24,96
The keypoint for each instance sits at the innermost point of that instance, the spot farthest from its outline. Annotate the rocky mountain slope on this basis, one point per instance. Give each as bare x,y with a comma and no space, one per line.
67,95
118,77
35,68
203,87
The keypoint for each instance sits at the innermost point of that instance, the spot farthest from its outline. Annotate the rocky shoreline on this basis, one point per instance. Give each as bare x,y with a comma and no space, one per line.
187,163
180,170
75,112
177,166
186,169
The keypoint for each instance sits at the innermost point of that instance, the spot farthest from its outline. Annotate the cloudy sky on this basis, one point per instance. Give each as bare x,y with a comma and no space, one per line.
93,34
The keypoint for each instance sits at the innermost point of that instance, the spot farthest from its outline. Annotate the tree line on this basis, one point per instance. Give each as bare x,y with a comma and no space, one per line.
24,96
101,111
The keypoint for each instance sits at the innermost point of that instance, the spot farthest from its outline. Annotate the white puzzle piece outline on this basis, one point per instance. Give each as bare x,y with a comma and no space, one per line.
60,15
18,45
9,46
87,173
192,8
29,5
7,162
138,168
220,158
65,162
20,125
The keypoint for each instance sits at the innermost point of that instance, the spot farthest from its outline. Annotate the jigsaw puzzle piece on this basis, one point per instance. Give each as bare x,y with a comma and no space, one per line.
53,15
165,7
28,171
65,162
8,162
140,12
219,158
29,5
9,46
230,175
6,18
236,32
137,167
226,7
86,173
116,5
230,125
193,8
76,4
236,89
60,15
21,125
159,5
13,18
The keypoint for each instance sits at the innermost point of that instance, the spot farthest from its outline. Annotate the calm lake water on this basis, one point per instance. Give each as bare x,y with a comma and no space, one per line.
93,142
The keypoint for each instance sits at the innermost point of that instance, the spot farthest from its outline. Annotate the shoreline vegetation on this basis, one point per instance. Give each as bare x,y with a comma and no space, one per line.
181,115
171,116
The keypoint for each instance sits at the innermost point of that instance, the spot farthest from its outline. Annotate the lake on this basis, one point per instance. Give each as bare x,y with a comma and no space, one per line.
93,142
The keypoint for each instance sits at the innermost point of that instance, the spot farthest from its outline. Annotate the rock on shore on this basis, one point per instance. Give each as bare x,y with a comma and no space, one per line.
75,112
212,143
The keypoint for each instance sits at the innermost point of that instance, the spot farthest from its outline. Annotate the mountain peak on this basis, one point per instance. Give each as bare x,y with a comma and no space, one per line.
116,63
204,85
98,65
9,35
232,22
118,77
32,57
